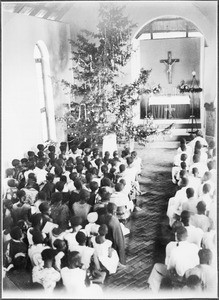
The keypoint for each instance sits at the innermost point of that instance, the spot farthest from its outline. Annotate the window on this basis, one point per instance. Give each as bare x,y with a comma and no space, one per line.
45,93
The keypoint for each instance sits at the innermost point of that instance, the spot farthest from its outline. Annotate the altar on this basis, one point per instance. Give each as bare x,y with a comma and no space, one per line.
170,106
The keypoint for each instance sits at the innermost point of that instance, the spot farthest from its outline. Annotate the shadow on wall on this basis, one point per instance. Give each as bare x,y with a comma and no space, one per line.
59,51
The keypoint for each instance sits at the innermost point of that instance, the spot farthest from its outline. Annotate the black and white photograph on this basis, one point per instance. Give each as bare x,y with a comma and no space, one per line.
109,149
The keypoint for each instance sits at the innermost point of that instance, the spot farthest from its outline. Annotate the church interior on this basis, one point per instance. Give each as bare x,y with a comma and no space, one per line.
174,115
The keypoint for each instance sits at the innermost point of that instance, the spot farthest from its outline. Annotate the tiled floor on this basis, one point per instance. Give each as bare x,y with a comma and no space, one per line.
143,246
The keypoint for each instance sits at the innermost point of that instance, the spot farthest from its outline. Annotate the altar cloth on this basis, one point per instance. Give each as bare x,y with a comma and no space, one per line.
173,99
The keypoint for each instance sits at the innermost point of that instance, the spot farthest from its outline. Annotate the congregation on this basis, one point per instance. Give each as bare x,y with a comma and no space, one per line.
65,212
64,215
190,255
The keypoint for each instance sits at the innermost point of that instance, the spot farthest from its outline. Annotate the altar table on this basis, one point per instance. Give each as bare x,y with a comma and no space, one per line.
174,106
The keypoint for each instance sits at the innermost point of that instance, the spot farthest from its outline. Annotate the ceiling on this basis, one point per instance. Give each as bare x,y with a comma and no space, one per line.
46,10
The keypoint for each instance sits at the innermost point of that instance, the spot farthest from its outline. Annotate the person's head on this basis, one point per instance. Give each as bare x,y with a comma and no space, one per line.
48,256
16,163
195,172
78,184
211,165
94,186
122,168
205,256
8,204
81,238
133,154
207,176
52,148
76,222
201,207
183,173
56,198
196,158
58,171
30,165
107,154
184,182
182,141
50,177
176,224
104,194
185,216
105,182
59,186
9,172
74,260
166,284
89,177
84,195
45,208
206,188
183,147
16,233
36,220
40,147
87,151
73,176
123,182
115,153
198,145
104,169
40,164
79,168
62,149
111,208
21,195
63,178
193,282
199,133
190,192
60,245
38,238
129,160
183,157
183,165
181,234
103,230
119,187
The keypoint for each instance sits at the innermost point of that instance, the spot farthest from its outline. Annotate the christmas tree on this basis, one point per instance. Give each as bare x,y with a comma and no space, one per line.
98,61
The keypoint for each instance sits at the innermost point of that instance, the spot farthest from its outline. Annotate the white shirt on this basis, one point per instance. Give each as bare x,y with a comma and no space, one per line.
183,257
195,235
40,175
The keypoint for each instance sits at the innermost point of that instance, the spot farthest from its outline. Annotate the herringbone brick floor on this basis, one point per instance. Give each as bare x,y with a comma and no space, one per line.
143,248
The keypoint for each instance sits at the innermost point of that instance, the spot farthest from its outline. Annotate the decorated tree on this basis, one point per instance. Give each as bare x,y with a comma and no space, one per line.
100,104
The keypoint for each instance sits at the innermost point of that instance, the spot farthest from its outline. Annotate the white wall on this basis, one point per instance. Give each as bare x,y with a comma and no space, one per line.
152,51
21,128
203,14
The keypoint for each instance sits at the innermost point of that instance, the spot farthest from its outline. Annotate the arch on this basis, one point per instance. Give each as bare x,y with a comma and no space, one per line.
195,32
41,56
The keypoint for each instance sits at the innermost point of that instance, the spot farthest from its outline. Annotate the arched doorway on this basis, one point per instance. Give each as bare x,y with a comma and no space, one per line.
45,93
178,38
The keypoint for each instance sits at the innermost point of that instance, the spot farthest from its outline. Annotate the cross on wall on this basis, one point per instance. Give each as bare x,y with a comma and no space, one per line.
169,62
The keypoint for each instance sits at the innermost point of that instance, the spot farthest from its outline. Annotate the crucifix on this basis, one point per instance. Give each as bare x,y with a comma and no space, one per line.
169,62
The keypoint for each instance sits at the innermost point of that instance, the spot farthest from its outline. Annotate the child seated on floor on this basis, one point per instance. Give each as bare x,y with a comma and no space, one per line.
107,256
47,276
75,279
92,228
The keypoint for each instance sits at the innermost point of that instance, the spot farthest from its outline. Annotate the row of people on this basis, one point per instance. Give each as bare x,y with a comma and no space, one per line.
190,256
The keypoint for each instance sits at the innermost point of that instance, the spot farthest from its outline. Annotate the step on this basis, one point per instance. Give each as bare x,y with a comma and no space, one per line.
163,145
